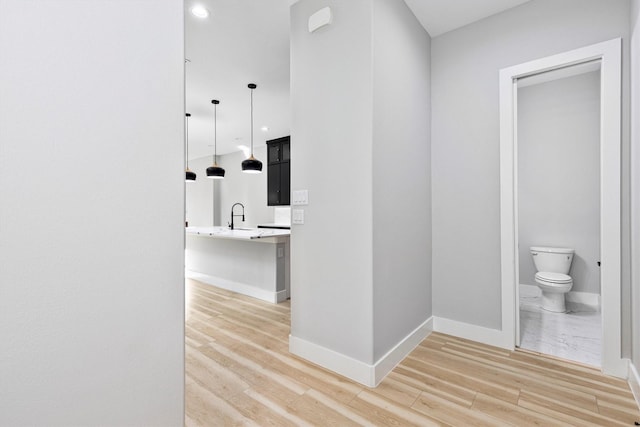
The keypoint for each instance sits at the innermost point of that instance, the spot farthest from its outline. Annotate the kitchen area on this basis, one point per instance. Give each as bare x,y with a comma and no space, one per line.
238,228
237,147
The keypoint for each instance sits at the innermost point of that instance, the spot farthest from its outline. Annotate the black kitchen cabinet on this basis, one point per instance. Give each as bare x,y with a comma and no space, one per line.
278,171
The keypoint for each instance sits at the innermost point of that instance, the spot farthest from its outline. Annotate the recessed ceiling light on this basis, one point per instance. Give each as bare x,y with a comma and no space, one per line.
264,128
199,11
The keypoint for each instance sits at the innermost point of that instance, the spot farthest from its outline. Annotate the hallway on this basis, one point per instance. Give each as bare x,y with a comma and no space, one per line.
239,372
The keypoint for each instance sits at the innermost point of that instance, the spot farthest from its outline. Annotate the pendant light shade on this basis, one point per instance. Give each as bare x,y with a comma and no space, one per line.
189,175
214,171
252,165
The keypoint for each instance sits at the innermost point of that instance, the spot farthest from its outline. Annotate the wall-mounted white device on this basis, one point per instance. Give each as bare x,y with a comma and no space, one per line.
300,197
320,19
297,216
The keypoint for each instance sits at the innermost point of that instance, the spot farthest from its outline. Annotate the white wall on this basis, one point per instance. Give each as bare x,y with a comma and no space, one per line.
248,189
635,177
401,174
91,224
202,196
559,174
331,133
360,132
207,198
465,142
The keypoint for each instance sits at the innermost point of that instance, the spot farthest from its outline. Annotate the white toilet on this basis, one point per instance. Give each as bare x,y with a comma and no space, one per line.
553,266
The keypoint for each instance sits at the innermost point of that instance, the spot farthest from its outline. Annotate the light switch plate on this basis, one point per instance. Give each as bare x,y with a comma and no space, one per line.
300,197
297,216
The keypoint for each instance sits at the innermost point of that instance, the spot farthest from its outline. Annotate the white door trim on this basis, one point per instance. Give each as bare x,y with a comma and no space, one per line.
610,54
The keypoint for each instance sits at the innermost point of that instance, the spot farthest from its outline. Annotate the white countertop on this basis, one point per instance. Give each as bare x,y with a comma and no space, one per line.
238,233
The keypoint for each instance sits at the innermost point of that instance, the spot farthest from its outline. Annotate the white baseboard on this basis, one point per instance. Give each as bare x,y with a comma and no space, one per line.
529,290
282,295
240,288
471,332
332,360
401,350
634,383
587,298
363,373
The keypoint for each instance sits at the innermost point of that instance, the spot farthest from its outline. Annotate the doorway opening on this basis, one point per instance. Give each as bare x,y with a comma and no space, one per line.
558,213
608,56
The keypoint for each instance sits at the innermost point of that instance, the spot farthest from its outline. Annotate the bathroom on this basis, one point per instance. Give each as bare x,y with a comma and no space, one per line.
558,196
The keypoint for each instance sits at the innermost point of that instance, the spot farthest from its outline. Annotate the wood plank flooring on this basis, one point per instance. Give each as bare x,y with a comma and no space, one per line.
239,373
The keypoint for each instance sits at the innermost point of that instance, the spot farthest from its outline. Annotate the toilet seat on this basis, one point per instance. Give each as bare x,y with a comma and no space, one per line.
550,277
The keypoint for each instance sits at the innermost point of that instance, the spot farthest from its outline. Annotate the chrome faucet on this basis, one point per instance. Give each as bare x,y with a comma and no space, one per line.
232,214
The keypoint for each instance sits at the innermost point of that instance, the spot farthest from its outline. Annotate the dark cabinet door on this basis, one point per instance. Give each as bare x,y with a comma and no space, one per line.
278,172
274,153
285,183
273,184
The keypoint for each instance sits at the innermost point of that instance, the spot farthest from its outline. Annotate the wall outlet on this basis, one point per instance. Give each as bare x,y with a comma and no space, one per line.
297,216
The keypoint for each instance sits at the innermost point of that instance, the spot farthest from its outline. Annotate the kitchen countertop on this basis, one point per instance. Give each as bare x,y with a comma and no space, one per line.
239,233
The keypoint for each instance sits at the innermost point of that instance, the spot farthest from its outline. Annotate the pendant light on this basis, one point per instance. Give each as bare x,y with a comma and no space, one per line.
190,176
215,171
252,165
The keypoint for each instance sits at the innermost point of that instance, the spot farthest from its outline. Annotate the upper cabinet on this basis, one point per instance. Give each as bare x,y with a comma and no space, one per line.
278,171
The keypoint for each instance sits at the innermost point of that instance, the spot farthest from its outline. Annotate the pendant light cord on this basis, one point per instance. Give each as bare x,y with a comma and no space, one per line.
215,152
252,165
186,132
251,122
215,132
186,129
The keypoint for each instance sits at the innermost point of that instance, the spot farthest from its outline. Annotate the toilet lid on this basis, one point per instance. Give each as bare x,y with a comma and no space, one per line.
548,276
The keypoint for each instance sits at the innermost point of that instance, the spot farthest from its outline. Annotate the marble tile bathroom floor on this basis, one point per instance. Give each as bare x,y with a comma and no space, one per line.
575,335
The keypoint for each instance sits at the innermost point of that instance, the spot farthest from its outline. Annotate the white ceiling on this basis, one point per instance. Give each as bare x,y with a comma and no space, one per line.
241,42
247,41
440,16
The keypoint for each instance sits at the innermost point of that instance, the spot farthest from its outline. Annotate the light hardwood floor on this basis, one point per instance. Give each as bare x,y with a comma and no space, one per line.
239,372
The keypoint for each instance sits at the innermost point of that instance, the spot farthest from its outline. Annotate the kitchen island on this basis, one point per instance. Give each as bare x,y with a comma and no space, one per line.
253,262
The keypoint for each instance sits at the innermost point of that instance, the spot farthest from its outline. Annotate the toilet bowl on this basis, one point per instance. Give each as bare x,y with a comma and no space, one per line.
554,287
553,264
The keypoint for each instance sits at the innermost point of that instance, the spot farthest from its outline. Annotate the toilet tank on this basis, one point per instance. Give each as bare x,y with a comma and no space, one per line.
554,260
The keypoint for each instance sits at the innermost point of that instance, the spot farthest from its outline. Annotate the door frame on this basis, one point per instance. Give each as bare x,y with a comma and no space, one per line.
610,55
